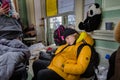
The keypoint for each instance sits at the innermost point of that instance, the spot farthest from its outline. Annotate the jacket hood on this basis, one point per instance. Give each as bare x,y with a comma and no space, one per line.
85,37
117,33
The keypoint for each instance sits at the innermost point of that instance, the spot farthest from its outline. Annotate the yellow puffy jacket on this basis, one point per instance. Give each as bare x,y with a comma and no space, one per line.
67,65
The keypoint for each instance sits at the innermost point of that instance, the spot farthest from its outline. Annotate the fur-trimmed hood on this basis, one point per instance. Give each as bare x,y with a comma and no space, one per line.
117,32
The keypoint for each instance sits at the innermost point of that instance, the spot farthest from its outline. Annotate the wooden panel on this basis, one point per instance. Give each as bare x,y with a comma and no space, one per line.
23,12
110,4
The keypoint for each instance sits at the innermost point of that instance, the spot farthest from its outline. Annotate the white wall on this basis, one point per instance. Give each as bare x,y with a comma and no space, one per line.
78,11
30,12
38,15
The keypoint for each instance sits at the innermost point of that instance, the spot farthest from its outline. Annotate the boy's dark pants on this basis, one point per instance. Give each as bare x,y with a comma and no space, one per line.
42,73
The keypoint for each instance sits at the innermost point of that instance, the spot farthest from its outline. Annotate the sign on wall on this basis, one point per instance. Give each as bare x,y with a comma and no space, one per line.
110,4
65,6
51,7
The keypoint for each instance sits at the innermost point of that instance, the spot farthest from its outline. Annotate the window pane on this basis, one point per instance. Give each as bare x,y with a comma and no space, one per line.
56,21
71,19
54,24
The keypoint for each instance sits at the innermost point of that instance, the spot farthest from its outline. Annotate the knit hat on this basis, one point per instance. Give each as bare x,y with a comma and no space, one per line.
69,31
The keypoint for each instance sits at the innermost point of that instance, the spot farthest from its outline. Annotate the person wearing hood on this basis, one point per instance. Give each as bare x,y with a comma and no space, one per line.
65,65
14,54
114,61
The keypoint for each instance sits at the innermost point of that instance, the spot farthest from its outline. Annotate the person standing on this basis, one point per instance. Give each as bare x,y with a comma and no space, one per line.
114,71
9,26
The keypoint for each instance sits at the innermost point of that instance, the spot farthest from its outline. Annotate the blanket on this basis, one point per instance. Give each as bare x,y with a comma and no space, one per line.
12,52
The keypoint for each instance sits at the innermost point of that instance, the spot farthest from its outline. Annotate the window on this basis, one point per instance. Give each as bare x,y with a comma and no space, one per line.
54,22
71,19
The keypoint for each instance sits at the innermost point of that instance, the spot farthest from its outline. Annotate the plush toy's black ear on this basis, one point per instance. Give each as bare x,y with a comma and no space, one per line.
80,26
97,5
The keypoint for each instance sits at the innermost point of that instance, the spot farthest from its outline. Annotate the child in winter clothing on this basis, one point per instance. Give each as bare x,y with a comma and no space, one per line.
65,65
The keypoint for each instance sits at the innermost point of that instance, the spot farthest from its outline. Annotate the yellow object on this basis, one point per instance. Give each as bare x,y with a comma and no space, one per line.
86,37
51,7
82,36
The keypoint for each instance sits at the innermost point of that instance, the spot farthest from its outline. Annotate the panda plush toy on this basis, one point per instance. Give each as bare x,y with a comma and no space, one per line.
93,19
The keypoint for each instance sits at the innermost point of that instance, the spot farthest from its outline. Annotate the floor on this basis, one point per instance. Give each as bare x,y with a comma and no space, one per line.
30,72
29,76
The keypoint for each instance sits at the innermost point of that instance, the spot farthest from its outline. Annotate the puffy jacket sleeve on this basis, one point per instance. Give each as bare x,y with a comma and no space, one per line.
81,64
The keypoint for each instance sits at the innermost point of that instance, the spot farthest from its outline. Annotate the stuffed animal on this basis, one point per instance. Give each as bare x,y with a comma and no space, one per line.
92,20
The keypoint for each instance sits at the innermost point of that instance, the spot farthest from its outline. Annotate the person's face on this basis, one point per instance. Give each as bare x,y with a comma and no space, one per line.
70,39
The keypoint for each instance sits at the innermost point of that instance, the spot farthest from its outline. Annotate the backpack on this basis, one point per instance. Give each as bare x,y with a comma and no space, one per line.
58,35
93,64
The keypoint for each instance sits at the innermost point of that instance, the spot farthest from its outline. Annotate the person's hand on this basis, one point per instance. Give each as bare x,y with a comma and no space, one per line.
4,9
1,11
15,15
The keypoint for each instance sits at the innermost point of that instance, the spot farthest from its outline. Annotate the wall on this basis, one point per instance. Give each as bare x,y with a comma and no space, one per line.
39,14
104,39
35,12
111,11
30,12
23,12
105,43
78,12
